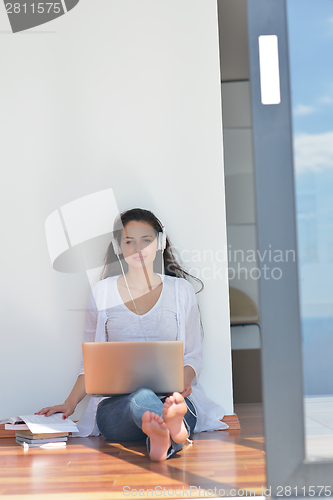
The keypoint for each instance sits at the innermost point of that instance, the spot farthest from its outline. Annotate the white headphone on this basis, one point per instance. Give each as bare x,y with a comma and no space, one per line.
161,242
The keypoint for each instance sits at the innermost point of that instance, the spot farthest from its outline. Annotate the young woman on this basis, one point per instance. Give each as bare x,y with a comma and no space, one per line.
142,305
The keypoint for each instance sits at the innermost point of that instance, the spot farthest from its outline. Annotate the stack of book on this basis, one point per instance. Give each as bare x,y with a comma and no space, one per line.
40,439
40,431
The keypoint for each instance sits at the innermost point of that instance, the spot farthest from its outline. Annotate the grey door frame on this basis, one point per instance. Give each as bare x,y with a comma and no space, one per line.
279,298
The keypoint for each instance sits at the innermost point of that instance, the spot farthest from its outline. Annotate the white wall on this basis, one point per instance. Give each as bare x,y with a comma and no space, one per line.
113,94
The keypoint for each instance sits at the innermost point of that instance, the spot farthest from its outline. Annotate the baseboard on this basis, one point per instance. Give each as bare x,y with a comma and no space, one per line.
232,421
4,433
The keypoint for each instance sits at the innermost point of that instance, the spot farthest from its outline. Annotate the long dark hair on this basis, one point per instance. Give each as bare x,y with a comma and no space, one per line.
171,266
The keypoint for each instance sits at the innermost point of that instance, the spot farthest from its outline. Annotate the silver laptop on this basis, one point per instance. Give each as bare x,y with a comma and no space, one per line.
114,368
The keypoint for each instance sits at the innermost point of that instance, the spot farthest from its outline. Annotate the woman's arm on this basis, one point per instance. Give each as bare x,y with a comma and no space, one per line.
193,352
189,375
67,408
190,317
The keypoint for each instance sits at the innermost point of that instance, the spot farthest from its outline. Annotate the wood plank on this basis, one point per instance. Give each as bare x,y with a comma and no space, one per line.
96,469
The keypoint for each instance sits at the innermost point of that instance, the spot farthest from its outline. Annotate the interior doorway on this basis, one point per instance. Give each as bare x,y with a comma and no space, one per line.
243,270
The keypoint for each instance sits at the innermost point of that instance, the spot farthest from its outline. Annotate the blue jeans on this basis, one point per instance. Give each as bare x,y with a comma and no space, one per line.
120,418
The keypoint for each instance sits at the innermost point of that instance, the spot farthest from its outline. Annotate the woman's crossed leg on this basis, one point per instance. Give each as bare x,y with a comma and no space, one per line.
142,413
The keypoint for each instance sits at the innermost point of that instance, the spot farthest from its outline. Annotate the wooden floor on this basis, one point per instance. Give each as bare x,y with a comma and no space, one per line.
92,468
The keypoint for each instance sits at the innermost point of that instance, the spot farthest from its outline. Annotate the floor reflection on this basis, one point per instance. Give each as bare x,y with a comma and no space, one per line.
319,426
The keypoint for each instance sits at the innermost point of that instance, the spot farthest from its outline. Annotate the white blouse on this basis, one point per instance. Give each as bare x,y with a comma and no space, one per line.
104,298
159,323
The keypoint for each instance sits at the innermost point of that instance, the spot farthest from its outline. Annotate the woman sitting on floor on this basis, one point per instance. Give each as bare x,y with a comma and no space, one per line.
141,305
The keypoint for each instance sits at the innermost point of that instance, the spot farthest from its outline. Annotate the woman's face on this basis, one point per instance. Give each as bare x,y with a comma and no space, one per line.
138,243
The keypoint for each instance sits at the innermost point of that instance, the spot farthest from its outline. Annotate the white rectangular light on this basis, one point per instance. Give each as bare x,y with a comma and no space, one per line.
269,69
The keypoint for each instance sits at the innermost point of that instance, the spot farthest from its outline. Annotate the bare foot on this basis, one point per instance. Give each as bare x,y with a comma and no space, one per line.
174,409
154,426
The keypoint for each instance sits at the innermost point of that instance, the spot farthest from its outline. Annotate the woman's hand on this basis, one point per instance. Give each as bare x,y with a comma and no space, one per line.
66,408
187,391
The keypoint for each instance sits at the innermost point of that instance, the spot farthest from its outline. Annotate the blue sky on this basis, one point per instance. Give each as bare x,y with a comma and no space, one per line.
311,59
310,24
